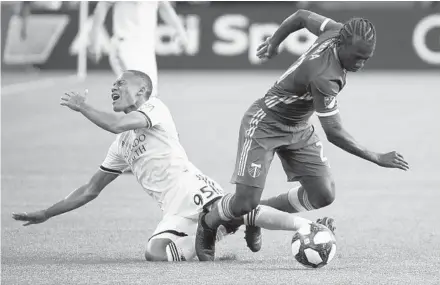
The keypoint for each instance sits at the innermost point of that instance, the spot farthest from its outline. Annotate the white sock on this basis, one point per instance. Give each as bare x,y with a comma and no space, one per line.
183,249
272,219
299,200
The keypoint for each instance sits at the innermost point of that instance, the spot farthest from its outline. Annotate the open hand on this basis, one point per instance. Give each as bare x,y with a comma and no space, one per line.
392,160
74,100
31,218
267,50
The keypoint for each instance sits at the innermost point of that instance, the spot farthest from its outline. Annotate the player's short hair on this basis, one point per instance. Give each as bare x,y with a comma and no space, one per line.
358,28
145,79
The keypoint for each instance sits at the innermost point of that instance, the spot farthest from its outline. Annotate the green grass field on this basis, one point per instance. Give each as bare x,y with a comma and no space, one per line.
387,220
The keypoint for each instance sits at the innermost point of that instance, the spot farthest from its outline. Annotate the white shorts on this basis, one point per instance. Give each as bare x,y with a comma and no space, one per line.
174,227
127,54
182,211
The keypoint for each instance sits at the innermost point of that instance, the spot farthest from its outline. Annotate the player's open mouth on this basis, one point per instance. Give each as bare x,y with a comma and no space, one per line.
115,97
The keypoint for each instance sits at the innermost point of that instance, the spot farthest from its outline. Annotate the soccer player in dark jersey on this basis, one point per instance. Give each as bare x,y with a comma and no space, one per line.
279,123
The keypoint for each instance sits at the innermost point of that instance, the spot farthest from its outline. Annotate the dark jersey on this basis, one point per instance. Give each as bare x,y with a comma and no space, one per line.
310,84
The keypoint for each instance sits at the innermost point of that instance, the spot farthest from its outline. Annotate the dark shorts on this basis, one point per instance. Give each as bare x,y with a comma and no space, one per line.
261,136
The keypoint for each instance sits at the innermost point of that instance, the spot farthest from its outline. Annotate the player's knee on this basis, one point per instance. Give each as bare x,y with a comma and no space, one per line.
246,199
326,194
320,191
156,250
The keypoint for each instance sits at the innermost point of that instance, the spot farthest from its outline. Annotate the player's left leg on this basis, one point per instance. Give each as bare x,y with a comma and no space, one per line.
173,240
310,167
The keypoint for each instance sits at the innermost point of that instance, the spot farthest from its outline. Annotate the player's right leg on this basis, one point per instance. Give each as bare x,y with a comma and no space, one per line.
310,167
252,164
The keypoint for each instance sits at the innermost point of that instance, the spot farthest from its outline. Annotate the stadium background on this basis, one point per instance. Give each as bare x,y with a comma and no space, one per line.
388,230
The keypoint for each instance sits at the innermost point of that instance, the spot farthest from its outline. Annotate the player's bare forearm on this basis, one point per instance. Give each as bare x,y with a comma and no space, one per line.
107,121
104,120
345,141
113,123
338,136
76,199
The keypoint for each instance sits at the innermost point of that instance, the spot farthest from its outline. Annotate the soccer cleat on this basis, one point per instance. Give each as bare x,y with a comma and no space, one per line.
205,240
254,238
328,222
225,230
231,228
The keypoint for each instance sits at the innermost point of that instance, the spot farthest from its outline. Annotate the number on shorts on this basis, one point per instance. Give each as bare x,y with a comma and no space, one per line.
321,151
198,200
206,193
204,190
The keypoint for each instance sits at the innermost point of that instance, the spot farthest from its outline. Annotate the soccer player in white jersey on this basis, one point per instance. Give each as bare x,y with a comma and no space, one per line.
134,34
148,143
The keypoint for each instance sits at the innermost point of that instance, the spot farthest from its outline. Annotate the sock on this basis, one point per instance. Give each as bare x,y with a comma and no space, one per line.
280,202
221,212
183,249
298,199
272,219
294,201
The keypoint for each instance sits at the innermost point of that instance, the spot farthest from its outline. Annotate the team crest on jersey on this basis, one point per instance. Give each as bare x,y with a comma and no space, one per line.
254,170
329,102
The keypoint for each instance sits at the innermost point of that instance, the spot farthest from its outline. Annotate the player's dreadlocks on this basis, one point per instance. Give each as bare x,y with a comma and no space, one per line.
358,28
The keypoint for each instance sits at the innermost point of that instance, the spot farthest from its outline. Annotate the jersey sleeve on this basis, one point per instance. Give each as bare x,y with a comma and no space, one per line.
318,24
113,162
324,94
154,112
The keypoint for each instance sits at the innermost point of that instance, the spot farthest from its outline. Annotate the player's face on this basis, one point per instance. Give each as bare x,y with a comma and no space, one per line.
354,56
123,93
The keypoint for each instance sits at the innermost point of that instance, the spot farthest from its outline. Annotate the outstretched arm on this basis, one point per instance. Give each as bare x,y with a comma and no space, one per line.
109,122
74,200
338,136
113,123
313,22
324,99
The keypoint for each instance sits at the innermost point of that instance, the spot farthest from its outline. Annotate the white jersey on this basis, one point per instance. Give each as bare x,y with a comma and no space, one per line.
135,20
158,161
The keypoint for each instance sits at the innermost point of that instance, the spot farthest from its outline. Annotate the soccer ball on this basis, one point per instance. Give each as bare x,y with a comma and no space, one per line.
314,245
